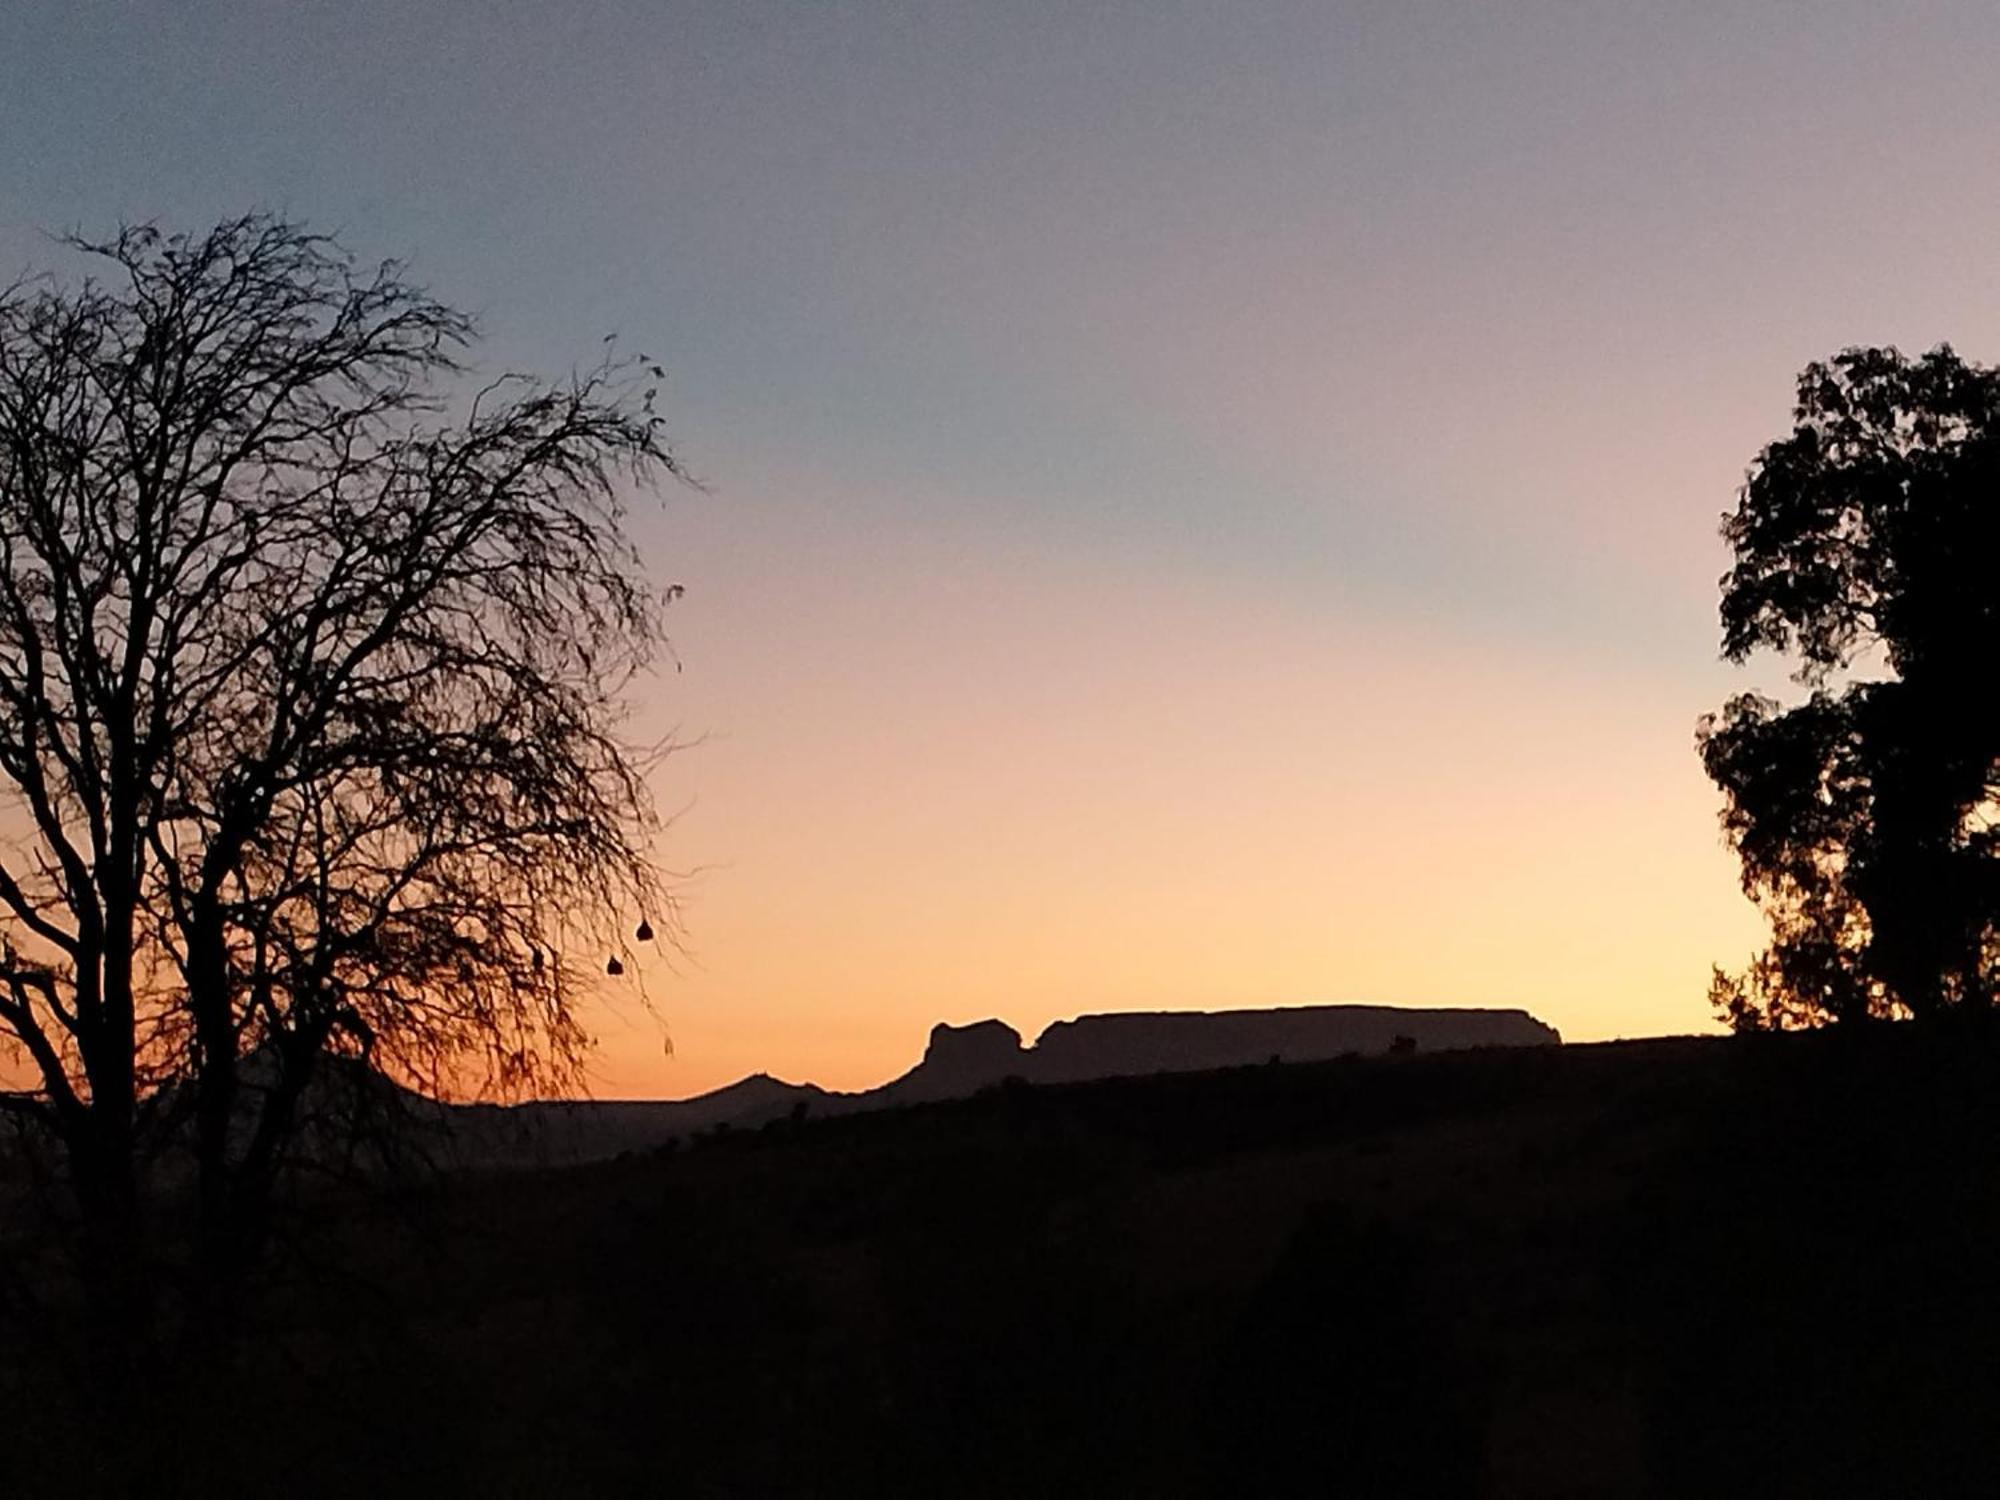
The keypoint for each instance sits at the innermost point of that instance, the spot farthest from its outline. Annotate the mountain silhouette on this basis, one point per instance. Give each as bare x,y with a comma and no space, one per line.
561,1132
959,1061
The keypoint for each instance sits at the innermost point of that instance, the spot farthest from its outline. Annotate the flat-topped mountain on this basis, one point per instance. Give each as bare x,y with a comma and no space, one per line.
961,1060
964,1059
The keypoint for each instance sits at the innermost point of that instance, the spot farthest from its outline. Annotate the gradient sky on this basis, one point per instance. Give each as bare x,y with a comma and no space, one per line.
1211,504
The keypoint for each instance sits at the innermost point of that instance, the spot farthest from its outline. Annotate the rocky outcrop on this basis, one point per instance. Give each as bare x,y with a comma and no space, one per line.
961,1060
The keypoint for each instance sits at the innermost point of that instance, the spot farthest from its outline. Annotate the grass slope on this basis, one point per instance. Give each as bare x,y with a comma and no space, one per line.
1658,1268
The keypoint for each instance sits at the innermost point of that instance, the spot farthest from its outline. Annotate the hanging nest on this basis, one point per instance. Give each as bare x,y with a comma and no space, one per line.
645,933
614,967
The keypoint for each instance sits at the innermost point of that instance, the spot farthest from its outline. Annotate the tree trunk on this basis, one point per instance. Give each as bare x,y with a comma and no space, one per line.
118,1310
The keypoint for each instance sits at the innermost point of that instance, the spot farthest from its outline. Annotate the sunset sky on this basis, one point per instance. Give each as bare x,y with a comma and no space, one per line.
1209,505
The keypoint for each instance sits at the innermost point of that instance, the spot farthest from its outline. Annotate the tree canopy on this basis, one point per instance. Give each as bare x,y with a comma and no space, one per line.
312,651
1865,544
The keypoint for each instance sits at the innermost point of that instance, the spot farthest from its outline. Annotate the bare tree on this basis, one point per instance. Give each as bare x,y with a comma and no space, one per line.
311,663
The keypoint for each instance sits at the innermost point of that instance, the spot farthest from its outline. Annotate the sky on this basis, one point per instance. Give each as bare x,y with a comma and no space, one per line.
1206,505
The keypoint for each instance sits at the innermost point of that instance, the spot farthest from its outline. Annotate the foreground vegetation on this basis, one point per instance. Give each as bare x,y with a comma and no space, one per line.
1669,1267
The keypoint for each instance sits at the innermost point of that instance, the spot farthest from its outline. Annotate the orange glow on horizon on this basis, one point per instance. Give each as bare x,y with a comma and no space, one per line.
952,787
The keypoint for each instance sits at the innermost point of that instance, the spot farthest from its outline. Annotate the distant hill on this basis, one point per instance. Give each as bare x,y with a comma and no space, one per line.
550,1133
357,1116
961,1060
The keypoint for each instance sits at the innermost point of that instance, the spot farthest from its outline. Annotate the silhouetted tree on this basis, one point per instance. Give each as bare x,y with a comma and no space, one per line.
1865,547
310,669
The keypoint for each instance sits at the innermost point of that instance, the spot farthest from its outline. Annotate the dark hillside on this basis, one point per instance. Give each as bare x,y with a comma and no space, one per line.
1688,1267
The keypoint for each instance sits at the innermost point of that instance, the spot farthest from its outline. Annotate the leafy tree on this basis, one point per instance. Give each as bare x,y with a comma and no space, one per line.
1865,817
310,674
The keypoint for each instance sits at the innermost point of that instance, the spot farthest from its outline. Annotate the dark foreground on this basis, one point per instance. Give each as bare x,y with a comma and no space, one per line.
1660,1268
